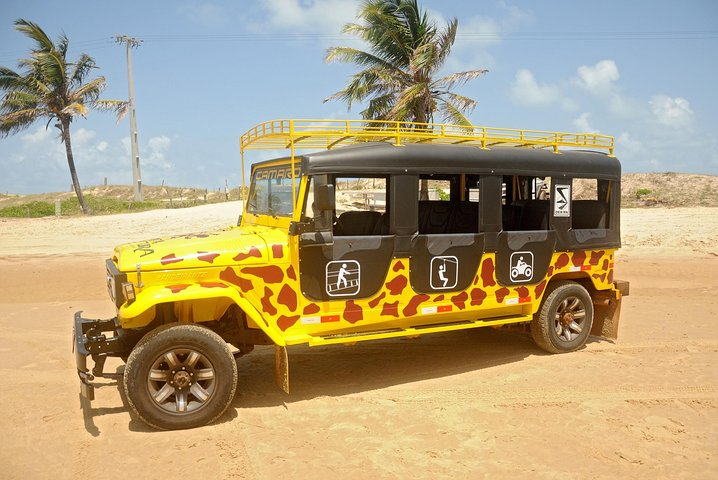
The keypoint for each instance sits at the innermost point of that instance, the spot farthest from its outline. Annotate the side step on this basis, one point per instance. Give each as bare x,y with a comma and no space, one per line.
411,331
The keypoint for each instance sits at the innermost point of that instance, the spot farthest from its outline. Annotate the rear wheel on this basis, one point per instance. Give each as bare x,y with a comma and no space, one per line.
180,376
563,323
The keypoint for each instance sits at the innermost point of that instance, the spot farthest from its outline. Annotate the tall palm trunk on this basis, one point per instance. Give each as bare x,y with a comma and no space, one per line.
65,133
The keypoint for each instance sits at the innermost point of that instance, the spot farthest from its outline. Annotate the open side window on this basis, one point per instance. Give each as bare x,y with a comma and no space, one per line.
525,203
361,206
590,201
450,205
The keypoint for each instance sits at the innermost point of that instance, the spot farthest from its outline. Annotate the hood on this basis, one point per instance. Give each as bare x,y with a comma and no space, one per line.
198,250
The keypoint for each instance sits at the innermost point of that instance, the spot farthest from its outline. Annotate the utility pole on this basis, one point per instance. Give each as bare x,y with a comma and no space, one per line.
131,43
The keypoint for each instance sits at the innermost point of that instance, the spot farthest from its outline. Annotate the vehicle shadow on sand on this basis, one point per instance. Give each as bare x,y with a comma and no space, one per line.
340,370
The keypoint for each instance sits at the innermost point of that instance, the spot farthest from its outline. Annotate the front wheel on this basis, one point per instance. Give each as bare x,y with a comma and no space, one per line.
180,376
563,323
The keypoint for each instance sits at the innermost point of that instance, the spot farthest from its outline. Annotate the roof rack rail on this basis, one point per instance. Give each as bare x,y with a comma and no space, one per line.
327,134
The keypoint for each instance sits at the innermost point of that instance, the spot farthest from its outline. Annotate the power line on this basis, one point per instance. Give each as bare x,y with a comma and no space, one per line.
675,35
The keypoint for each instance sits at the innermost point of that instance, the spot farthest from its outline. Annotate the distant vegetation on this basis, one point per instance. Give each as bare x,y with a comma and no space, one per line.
669,190
109,200
638,190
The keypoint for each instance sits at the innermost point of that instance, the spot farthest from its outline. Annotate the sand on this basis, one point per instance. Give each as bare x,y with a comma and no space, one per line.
471,404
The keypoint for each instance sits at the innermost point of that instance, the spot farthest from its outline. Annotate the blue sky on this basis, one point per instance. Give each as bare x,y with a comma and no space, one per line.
643,71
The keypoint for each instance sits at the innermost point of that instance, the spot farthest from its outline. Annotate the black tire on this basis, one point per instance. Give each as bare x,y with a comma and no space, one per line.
180,376
563,323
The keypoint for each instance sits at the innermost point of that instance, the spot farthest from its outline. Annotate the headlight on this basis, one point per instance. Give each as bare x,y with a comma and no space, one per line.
115,279
111,286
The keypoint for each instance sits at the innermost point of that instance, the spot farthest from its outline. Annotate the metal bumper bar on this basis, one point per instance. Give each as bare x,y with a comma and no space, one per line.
90,339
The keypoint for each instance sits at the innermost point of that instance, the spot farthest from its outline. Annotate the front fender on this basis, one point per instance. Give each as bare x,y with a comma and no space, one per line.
140,312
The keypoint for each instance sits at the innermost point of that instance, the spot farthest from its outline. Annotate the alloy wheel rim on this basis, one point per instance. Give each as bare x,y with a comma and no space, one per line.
570,319
181,380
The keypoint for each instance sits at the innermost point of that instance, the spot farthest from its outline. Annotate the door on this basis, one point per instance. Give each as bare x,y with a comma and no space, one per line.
347,253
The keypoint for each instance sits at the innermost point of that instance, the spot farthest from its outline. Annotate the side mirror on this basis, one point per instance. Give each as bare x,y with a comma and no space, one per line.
324,197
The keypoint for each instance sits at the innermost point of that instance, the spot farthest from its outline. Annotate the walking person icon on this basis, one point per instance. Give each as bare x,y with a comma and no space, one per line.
342,276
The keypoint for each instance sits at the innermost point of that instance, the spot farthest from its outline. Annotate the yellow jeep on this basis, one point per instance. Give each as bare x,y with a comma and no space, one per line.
383,230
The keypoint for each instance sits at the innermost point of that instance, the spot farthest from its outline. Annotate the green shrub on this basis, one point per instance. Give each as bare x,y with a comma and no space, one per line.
71,206
442,194
29,210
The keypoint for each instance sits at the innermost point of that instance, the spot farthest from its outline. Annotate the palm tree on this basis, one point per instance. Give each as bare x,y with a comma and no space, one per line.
51,88
406,51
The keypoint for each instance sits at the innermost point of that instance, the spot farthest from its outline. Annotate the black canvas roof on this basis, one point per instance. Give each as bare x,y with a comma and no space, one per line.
381,158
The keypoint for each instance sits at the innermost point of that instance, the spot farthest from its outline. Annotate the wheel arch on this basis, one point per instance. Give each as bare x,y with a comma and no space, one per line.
582,278
606,302
194,303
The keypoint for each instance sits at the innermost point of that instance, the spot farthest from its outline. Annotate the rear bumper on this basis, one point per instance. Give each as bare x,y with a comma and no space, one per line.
91,339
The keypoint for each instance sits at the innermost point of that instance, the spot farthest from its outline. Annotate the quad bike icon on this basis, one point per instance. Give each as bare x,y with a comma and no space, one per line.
521,269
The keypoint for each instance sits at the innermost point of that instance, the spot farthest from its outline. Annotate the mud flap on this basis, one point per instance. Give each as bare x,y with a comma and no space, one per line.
607,311
281,368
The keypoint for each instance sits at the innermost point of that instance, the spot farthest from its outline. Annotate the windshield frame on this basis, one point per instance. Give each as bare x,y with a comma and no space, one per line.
270,190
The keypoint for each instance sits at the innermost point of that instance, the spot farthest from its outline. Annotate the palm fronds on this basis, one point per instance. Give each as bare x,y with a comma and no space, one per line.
406,50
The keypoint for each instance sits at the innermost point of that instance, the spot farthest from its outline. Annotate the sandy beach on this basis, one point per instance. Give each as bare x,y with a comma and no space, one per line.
481,403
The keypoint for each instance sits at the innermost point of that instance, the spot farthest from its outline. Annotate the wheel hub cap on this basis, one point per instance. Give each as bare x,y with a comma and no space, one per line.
567,318
182,379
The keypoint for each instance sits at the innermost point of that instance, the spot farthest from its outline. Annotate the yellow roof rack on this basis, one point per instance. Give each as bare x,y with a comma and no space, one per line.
327,134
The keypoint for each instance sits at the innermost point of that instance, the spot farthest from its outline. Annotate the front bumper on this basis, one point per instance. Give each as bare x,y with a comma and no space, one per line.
90,339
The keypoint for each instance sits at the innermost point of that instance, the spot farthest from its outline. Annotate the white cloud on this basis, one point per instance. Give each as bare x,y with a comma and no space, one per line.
672,112
205,13
478,32
476,35
315,16
160,143
583,125
515,16
82,137
155,156
629,146
598,79
39,136
526,91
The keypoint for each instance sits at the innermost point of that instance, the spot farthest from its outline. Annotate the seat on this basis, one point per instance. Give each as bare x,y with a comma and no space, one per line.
588,214
356,223
534,215
464,218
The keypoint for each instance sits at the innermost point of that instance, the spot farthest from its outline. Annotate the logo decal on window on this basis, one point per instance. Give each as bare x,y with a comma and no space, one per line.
522,267
343,278
562,201
444,272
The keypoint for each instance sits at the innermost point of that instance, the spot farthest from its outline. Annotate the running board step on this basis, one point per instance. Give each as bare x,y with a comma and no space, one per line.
410,332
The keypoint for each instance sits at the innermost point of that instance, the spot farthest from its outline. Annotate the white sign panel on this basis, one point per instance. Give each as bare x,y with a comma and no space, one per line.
562,200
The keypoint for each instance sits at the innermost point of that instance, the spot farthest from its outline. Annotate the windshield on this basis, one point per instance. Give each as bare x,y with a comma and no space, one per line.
271,190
